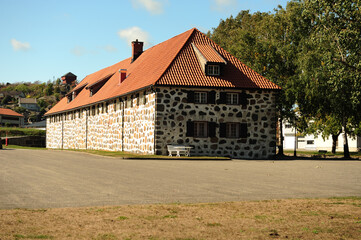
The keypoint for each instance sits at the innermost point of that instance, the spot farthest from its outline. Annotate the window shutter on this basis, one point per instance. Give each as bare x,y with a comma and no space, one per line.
222,130
211,97
222,98
212,129
242,98
190,129
190,96
243,130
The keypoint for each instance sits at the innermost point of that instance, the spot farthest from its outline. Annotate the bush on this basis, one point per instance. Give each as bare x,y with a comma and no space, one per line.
14,131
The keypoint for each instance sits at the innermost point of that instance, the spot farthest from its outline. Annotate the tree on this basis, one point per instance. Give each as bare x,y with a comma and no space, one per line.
6,100
330,64
22,88
326,127
269,44
49,89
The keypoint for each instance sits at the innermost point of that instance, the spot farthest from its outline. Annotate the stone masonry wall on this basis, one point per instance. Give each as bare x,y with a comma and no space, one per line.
258,114
163,119
102,126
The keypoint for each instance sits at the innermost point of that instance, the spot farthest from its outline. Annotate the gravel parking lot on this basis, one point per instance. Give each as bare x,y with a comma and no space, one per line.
50,178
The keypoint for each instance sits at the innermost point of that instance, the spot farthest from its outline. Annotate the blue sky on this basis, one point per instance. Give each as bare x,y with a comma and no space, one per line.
44,39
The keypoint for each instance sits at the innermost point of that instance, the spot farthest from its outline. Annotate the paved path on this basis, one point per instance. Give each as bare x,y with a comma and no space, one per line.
43,179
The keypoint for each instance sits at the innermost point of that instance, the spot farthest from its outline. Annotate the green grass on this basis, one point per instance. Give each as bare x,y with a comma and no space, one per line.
19,236
125,155
328,154
22,147
140,156
170,216
15,131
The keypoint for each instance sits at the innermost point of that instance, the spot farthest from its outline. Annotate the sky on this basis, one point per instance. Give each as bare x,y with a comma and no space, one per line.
41,40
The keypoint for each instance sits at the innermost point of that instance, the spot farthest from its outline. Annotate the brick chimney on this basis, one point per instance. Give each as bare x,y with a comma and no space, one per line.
123,75
137,49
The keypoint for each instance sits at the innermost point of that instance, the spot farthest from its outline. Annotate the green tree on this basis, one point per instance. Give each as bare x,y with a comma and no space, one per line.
49,90
330,64
6,100
326,127
22,88
269,44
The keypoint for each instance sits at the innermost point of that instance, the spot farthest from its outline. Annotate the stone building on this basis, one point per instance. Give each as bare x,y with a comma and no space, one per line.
186,90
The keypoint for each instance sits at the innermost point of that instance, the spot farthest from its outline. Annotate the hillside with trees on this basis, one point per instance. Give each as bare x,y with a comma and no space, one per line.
46,95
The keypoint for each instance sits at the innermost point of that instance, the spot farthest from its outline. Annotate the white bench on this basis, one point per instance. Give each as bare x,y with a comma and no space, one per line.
179,149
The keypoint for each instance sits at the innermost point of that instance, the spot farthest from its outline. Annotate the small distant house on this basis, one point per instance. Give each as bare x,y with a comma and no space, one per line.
69,79
29,103
186,91
312,143
9,117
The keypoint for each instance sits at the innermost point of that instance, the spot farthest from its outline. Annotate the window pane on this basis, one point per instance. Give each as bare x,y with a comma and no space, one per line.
200,97
232,98
213,70
229,98
235,98
200,129
232,130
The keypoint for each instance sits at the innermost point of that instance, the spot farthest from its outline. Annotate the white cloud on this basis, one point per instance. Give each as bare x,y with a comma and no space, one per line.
109,48
20,46
133,33
152,6
79,51
223,5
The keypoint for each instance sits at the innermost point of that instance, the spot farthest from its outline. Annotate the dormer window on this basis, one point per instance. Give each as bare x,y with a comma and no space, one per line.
213,70
211,62
95,87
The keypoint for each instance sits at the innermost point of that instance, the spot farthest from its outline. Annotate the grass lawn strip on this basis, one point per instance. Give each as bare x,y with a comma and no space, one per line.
124,155
333,218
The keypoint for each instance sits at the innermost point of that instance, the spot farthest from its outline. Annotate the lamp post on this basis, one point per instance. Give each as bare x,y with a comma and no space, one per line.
294,152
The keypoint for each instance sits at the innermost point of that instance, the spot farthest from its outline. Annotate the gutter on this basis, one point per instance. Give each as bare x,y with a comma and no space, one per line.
91,104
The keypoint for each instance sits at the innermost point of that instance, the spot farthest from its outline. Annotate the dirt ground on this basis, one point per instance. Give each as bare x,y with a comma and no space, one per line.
333,218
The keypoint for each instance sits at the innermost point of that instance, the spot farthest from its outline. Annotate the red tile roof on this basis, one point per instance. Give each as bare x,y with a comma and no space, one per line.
172,62
209,53
186,71
9,112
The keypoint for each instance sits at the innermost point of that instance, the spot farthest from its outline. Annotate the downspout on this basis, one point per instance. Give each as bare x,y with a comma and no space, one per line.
62,131
123,125
86,127
155,120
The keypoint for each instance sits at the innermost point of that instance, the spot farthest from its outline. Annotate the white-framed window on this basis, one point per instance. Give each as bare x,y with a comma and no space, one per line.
310,142
232,130
213,70
232,98
288,126
200,97
200,129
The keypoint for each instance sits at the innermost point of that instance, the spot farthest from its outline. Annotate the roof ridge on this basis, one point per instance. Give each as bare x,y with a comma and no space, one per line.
180,49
